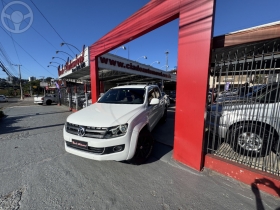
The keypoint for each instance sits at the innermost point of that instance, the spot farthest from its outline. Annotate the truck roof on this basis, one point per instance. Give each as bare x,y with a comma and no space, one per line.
134,86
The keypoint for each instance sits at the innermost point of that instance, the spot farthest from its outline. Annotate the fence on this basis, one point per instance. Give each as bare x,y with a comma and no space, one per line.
74,96
243,115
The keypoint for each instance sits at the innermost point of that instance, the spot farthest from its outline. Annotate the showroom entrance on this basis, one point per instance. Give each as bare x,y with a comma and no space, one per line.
113,71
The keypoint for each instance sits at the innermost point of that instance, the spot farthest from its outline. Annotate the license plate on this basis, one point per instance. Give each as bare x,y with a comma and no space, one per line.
80,144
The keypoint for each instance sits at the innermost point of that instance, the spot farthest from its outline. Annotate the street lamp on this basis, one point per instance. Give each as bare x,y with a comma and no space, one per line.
55,62
64,52
145,57
53,66
155,62
122,47
59,58
166,52
165,66
63,43
21,97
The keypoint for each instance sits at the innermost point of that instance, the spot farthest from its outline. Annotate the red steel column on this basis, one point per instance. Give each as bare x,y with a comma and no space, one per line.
195,34
94,79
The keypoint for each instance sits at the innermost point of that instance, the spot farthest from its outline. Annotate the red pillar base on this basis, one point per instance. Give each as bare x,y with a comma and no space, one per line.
256,179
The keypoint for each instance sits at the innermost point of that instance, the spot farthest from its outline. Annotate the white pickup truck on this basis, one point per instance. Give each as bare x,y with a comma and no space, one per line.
118,126
48,99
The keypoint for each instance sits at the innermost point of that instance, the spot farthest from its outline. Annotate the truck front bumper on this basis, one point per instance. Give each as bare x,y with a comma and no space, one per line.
117,149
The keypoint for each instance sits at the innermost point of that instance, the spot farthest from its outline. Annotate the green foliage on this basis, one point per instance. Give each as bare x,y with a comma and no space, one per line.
48,79
34,86
14,91
259,79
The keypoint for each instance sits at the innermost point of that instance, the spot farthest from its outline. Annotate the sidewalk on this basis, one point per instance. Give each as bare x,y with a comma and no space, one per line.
35,161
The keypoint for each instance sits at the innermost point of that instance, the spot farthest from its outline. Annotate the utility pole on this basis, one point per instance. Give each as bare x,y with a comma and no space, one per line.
21,95
44,87
166,52
166,60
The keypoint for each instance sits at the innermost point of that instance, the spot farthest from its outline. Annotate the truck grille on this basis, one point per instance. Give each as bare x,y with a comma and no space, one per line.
95,150
91,132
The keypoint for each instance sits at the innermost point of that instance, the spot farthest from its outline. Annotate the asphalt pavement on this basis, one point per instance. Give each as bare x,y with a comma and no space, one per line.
37,173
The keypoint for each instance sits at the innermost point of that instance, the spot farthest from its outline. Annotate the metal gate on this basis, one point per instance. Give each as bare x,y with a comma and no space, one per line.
243,114
74,96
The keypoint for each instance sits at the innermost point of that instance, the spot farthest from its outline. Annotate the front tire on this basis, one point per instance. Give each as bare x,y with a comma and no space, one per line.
164,117
144,147
250,139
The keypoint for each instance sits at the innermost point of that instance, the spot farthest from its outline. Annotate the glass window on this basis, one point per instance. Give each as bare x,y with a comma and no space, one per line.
151,95
271,97
157,93
123,96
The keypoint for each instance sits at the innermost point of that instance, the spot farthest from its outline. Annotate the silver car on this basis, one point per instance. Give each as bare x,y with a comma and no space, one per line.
3,98
251,127
166,97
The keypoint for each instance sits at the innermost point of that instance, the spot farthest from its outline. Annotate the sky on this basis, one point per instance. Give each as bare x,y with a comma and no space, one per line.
83,22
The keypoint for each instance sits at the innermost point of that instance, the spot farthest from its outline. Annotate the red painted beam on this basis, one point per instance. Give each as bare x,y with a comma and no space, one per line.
195,34
255,178
151,16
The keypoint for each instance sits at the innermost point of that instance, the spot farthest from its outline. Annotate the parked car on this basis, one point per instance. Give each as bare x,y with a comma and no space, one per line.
3,98
118,126
225,93
48,99
212,94
251,127
85,103
172,97
244,93
167,99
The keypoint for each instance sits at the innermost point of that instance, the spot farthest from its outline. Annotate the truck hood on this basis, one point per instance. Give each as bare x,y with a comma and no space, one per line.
105,115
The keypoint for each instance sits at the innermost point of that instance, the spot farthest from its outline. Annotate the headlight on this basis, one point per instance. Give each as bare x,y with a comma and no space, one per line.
116,131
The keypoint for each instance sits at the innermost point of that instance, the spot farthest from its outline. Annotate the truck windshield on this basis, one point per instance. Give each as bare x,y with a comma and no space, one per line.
123,96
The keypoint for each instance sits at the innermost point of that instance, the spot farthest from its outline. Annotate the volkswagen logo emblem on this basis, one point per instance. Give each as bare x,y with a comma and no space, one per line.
81,131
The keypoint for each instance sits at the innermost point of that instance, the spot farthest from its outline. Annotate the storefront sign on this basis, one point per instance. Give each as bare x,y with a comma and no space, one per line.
76,64
110,61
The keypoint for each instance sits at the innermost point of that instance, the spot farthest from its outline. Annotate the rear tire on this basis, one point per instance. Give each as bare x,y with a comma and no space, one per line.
48,102
250,139
144,147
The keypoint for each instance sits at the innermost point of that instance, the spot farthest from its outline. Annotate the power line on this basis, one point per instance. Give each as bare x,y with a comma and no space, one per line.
51,26
27,52
12,38
6,57
5,70
35,29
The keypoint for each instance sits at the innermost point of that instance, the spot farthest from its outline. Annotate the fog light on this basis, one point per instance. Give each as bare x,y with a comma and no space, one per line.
117,148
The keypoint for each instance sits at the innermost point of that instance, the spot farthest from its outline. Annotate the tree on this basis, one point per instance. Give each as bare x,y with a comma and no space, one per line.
48,79
259,79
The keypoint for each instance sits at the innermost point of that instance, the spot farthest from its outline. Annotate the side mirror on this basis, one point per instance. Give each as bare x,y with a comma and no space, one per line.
154,101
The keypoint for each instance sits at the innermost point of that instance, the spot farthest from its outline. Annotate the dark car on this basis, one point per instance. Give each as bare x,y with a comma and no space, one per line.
172,97
212,94
243,93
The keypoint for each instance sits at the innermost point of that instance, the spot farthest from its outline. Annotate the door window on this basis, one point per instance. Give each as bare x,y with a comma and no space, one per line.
151,95
272,96
157,93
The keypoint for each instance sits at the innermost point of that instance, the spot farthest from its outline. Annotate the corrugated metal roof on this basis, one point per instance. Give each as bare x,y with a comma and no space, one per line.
255,27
